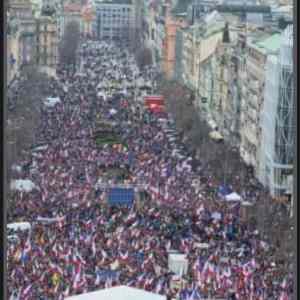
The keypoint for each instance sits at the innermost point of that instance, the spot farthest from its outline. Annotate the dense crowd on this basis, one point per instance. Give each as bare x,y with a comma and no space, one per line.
78,243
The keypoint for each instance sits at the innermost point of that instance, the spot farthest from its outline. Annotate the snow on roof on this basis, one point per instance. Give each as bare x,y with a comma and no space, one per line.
118,293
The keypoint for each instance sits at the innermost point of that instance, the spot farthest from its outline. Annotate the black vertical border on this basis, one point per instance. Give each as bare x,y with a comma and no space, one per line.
295,177
3,80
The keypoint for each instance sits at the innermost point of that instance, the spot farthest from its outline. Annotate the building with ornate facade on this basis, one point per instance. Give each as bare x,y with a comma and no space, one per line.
72,12
22,11
253,84
47,43
277,119
12,43
172,24
115,20
88,16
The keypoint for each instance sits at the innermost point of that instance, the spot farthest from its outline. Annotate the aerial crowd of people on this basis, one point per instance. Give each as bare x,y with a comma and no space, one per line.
78,243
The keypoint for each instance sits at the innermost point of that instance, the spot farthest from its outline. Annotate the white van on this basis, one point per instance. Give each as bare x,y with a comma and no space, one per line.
15,227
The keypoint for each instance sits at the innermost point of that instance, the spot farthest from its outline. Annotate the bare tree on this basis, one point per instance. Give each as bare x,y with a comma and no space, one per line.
196,132
23,117
144,57
270,218
69,44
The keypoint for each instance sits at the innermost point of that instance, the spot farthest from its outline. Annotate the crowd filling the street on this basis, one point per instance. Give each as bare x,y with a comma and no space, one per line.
96,133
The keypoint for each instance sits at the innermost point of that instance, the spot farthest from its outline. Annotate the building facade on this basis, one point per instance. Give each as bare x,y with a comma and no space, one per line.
178,68
60,18
172,24
278,129
199,8
13,38
71,13
156,25
47,44
253,83
88,16
226,102
200,43
22,11
115,20
139,8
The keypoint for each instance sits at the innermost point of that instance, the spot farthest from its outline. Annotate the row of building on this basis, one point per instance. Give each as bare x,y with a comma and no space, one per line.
35,27
29,38
237,60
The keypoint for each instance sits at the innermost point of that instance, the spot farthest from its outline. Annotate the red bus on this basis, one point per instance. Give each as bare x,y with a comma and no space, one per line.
155,103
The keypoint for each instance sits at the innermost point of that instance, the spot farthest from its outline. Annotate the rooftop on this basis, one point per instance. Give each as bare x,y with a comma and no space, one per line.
268,45
206,29
243,8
